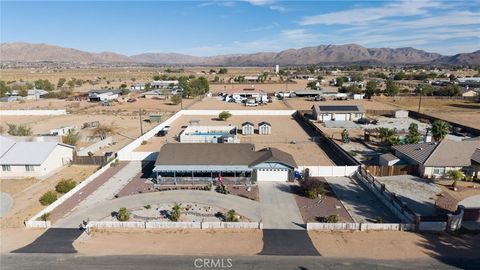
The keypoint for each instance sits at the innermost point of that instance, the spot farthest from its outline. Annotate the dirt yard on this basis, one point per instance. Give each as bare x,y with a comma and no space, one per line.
284,130
14,238
393,245
25,200
459,111
171,242
215,103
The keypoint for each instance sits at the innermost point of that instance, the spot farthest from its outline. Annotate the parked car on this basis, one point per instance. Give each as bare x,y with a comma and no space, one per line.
320,98
163,131
130,100
363,121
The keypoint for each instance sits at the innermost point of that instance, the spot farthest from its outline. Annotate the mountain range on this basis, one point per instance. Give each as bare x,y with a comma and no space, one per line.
322,54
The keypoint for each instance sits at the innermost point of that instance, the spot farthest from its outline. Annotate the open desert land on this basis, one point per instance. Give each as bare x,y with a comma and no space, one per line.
285,130
26,193
465,112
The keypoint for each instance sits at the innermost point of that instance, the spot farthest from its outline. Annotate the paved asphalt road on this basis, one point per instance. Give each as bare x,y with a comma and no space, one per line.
69,261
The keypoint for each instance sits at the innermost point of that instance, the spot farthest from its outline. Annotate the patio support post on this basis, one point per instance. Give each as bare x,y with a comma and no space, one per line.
175,177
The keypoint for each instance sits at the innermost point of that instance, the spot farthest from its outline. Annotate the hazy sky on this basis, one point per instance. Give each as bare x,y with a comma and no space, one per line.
224,27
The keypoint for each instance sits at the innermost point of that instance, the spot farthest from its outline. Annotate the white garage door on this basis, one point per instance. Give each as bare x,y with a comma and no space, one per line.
340,117
272,175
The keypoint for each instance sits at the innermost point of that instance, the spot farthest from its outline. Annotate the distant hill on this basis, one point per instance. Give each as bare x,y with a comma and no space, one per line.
323,54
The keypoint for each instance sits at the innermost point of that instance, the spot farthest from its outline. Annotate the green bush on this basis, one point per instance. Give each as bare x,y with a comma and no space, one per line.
123,214
65,185
222,189
176,212
378,219
48,198
312,187
45,216
332,219
224,115
148,206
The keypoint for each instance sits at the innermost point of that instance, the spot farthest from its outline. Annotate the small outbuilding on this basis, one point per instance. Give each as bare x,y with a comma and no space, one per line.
264,128
401,114
248,128
388,160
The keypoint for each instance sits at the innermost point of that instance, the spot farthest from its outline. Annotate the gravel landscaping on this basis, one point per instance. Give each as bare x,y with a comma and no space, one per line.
315,210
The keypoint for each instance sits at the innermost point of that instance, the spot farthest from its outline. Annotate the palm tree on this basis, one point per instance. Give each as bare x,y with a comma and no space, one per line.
176,212
440,129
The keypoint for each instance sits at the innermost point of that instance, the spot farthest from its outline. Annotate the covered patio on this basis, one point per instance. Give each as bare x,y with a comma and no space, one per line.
202,175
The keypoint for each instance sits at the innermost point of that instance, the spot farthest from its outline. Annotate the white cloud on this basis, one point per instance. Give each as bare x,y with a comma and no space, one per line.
299,36
369,14
271,4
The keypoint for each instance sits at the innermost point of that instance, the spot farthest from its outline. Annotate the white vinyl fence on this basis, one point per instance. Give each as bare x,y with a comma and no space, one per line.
174,225
329,171
360,226
32,112
37,224
67,195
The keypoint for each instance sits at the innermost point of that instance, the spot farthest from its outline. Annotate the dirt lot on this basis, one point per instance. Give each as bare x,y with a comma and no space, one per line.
284,131
171,242
459,111
14,238
25,199
393,245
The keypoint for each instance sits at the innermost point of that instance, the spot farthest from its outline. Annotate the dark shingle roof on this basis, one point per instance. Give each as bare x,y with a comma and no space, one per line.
220,154
418,152
476,156
247,123
264,123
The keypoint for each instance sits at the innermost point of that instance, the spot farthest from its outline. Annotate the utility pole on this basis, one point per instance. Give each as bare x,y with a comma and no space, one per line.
141,123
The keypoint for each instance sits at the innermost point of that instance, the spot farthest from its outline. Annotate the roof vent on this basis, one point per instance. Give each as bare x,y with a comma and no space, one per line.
420,148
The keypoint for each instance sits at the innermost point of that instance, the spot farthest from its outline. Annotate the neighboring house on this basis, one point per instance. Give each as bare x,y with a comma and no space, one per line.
137,87
307,93
436,159
259,96
209,134
476,162
153,94
20,159
337,112
103,95
163,84
264,128
248,128
469,82
233,162
470,93
471,208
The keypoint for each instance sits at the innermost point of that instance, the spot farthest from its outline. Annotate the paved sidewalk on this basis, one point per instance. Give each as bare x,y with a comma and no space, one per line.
100,210
362,204
278,206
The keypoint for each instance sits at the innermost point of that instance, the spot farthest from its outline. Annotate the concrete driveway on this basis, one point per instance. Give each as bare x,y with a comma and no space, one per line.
278,206
100,210
360,203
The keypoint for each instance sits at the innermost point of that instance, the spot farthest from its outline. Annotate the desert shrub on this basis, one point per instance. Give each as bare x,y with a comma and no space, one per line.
148,206
71,138
232,216
45,216
20,130
48,198
65,185
222,189
378,219
123,214
332,219
176,99
224,115
312,187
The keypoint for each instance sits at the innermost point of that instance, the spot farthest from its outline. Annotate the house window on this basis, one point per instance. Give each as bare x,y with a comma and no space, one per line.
6,168
29,168
438,170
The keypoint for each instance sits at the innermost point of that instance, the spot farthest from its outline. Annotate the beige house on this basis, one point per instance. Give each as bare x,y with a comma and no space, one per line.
21,159
436,159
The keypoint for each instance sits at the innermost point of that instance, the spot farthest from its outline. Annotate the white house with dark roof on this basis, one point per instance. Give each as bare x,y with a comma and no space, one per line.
337,112
20,159
200,162
436,159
